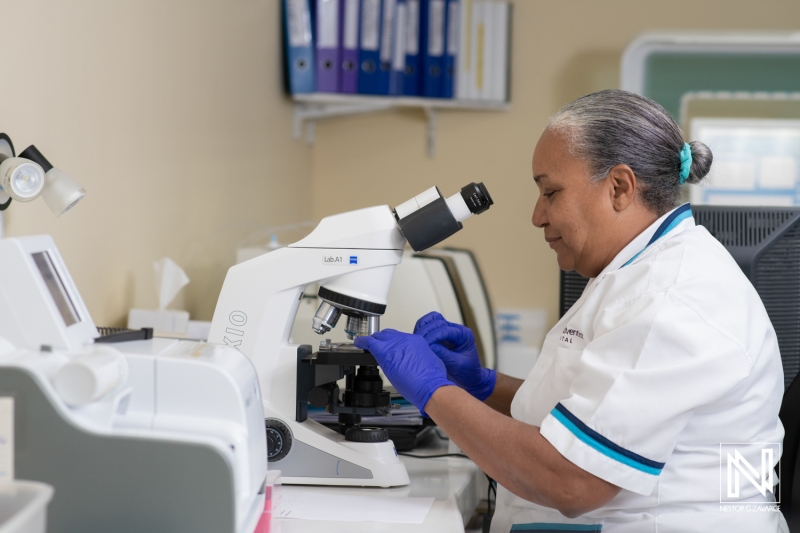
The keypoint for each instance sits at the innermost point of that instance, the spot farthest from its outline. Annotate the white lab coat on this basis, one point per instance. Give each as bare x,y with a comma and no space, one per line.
668,353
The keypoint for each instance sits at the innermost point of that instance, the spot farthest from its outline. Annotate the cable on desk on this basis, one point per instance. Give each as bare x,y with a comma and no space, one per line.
492,489
487,520
433,456
492,483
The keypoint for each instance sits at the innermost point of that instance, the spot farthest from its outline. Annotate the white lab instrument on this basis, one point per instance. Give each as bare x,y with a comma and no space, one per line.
40,307
353,257
134,436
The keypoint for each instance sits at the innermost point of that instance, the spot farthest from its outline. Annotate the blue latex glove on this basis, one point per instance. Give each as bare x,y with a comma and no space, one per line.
409,363
455,346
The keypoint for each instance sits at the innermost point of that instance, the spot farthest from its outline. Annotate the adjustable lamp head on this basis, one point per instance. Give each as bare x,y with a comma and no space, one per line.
31,175
60,192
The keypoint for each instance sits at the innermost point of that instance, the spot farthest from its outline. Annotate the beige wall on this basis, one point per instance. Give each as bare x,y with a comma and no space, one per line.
561,50
171,115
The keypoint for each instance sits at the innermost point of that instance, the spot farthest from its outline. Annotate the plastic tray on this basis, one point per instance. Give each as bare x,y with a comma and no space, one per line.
23,506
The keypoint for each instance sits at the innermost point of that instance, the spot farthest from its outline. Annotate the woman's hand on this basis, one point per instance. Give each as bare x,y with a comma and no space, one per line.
455,346
409,363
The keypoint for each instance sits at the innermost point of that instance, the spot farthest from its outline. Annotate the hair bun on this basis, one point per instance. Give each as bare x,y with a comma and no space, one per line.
701,162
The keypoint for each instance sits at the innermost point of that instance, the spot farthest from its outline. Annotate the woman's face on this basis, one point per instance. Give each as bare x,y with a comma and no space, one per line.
576,213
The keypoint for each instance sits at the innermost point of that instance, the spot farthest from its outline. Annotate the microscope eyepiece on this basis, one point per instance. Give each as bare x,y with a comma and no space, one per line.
429,218
477,197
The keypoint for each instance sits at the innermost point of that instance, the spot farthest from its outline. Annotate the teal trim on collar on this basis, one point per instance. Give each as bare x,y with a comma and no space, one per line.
669,224
542,527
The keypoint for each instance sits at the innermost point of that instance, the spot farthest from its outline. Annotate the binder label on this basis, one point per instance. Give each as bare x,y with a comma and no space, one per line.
327,23
412,37
299,23
452,28
386,31
351,24
370,20
399,59
436,28
480,59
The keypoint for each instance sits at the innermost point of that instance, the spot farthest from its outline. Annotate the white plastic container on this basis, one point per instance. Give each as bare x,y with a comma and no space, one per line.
23,507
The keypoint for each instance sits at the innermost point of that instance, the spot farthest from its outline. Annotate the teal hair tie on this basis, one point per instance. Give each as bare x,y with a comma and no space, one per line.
686,162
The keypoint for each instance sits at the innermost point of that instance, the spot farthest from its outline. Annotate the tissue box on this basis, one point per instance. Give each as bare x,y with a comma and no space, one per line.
162,321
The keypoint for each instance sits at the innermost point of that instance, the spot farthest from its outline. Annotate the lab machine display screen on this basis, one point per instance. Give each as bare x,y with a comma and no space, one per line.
56,287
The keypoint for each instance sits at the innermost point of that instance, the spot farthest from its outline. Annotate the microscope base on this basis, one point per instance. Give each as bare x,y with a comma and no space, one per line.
321,456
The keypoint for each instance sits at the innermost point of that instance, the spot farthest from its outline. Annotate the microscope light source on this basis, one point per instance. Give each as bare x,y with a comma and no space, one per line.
21,178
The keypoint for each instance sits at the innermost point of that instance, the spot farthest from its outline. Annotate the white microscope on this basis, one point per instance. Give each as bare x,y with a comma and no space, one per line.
144,435
352,256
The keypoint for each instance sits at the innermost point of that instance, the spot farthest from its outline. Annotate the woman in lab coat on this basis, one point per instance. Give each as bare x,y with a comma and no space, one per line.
668,353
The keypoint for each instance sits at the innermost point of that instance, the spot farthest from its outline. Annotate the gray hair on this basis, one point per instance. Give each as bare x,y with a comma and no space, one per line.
614,127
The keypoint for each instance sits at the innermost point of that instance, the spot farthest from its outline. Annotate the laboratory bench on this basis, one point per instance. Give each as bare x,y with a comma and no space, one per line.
456,484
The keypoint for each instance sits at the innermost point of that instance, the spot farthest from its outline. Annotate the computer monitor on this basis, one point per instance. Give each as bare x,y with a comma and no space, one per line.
765,242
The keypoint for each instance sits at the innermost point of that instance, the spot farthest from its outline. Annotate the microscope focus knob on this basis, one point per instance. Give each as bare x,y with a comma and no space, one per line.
319,397
366,435
279,439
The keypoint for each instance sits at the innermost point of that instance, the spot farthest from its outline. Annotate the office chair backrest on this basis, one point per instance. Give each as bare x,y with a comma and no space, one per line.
790,417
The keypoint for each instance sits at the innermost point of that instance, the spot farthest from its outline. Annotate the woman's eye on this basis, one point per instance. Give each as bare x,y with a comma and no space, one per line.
549,194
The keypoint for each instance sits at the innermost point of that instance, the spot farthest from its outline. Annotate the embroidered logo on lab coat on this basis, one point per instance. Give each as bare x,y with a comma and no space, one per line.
569,336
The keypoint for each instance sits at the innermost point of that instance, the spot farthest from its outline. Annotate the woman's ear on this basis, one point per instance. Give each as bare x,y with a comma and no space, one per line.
623,183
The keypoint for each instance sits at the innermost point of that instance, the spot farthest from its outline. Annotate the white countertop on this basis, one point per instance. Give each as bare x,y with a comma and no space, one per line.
456,484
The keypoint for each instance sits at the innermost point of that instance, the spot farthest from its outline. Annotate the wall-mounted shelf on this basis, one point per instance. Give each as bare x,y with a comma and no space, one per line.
309,108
